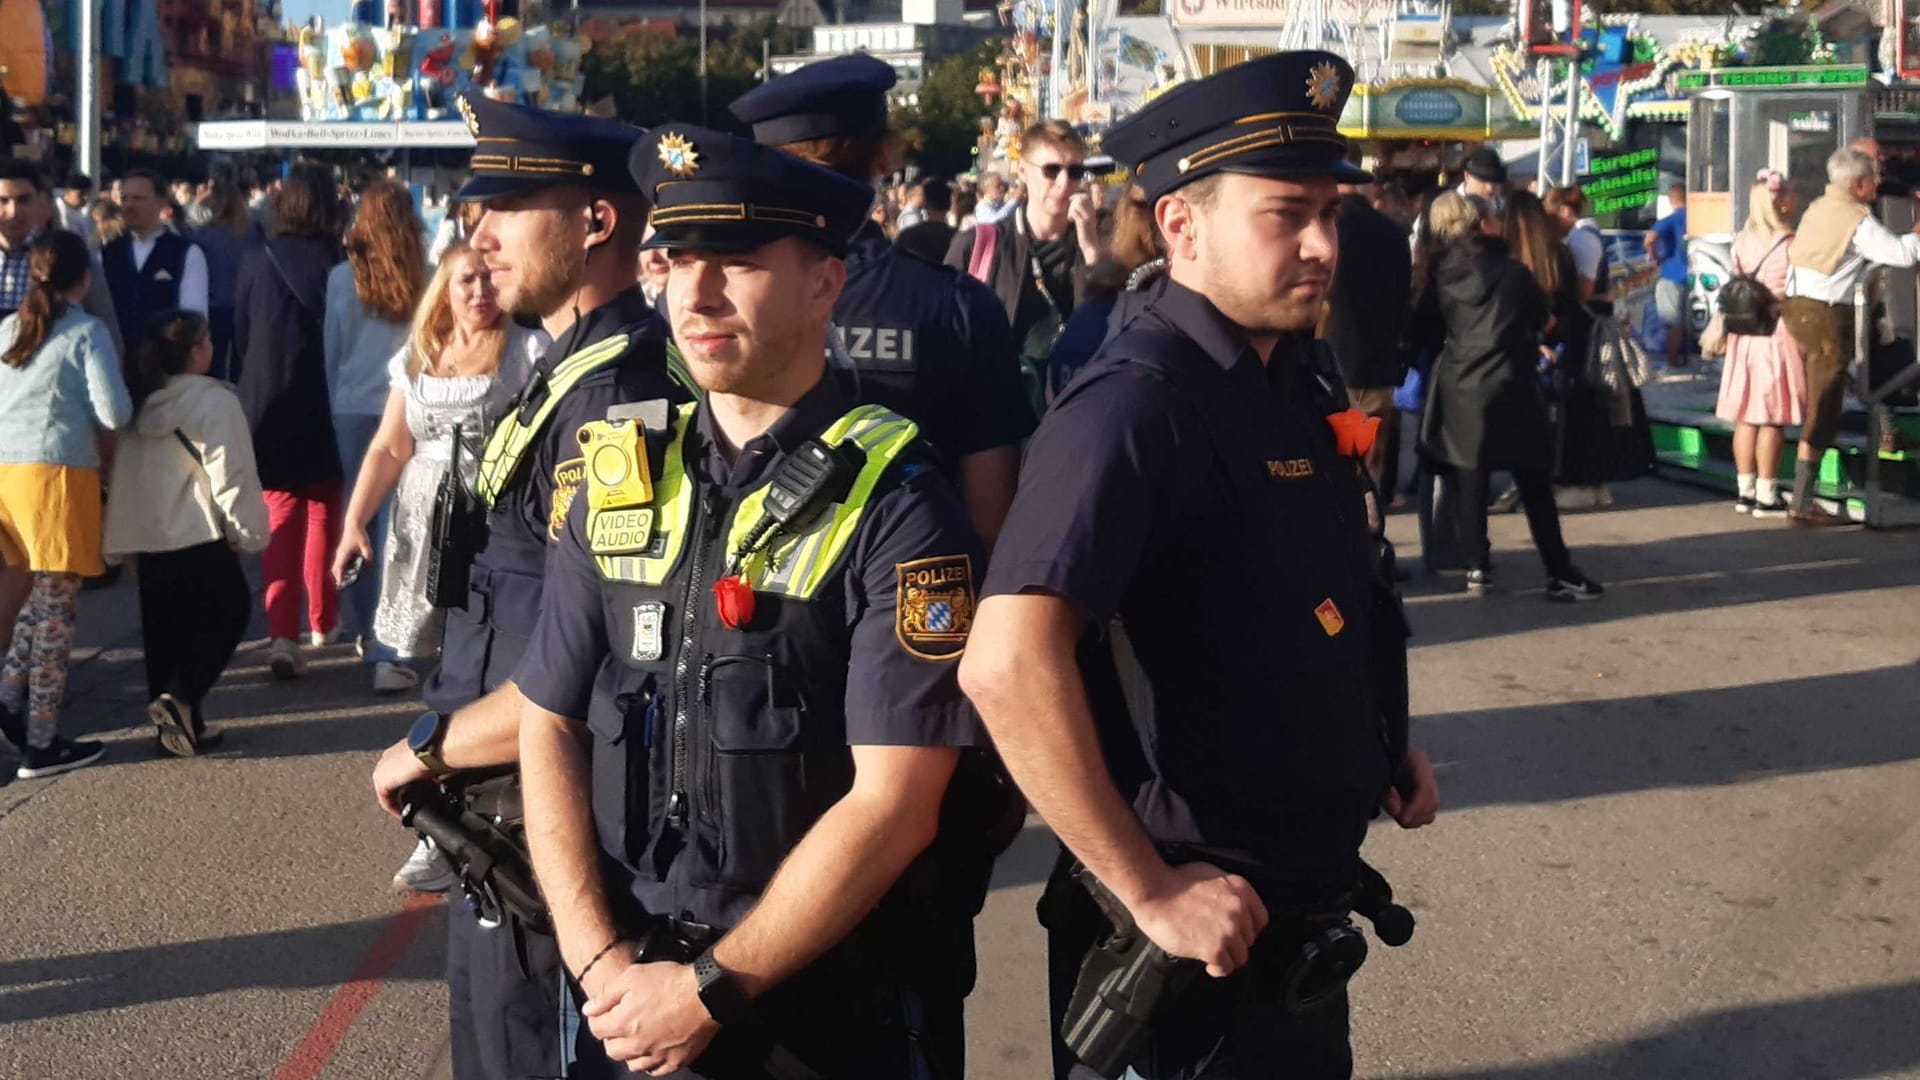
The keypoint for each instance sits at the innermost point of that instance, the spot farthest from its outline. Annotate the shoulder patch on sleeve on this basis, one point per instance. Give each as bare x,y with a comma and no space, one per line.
567,477
934,606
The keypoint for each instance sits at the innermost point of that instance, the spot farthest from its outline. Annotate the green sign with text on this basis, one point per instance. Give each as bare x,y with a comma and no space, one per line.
1622,181
1816,75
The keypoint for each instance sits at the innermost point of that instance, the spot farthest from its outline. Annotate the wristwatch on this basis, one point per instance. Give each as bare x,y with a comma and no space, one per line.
722,996
424,740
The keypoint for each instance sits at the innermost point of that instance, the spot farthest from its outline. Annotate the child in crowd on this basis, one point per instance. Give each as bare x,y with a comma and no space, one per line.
59,387
186,499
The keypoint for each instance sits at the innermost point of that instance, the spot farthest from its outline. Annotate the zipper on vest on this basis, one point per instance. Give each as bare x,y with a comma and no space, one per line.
704,527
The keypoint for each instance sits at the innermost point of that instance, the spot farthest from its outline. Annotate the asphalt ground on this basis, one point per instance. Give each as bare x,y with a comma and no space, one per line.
1678,841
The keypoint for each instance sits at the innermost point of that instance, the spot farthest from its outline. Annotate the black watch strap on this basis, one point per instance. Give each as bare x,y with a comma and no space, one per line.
722,996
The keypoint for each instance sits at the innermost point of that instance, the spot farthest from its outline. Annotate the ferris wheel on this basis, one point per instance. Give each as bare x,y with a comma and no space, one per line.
1382,39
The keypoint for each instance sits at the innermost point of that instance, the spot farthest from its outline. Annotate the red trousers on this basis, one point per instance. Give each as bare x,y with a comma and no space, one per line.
303,525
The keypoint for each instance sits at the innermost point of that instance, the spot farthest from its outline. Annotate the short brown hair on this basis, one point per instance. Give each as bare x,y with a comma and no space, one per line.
857,157
1566,198
1057,134
630,221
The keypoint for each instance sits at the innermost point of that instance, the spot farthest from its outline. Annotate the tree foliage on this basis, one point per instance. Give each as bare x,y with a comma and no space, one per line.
653,76
941,128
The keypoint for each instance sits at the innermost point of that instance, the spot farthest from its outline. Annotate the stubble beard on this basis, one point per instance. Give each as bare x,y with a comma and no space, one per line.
549,276
1237,298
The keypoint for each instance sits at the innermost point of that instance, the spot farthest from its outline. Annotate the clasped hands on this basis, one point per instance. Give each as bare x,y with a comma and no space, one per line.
648,1015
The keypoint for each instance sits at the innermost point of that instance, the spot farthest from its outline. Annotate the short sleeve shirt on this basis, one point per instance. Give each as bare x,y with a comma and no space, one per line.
1197,502
1671,231
485,640
1588,251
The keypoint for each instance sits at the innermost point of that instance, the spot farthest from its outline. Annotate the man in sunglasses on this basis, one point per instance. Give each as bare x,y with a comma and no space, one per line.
1036,259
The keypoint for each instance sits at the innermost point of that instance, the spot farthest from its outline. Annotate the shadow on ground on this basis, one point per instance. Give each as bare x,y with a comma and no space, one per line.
1684,573
321,956
1579,749
1859,1033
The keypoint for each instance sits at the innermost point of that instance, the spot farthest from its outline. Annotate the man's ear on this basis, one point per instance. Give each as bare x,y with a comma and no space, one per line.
1178,221
602,218
829,280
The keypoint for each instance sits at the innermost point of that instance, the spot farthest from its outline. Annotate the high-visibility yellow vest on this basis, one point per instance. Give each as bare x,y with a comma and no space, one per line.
797,564
508,443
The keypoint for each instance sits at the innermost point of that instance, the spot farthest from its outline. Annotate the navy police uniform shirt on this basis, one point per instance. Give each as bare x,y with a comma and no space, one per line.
893,697
1193,496
485,640
933,345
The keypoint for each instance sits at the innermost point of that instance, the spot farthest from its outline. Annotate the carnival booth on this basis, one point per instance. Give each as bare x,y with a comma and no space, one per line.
386,86
1790,119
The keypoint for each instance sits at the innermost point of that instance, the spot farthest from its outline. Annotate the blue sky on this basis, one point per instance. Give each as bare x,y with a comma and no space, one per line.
299,11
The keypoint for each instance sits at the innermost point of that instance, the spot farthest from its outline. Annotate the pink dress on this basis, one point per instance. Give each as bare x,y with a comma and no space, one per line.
1764,380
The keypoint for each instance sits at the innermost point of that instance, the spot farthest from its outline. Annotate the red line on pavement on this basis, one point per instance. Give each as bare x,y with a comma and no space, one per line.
326,1034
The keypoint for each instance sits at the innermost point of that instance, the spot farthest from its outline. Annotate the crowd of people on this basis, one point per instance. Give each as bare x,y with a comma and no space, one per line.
216,373
357,350
310,383
301,360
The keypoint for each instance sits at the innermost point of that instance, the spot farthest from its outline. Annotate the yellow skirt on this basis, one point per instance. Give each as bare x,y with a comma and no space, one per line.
50,518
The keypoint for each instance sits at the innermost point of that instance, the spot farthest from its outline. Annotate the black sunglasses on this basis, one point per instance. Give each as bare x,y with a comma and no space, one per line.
1052,170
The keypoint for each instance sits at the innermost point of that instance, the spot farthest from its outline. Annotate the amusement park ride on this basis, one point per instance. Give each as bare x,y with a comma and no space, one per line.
1790,118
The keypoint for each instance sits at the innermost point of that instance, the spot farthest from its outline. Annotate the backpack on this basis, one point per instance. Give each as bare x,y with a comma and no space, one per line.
1746,305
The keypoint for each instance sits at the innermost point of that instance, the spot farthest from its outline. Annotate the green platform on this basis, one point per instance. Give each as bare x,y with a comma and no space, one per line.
1695,446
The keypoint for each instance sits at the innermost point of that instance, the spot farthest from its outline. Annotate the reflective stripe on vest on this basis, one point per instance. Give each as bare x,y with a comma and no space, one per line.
799,564
516,431
512,435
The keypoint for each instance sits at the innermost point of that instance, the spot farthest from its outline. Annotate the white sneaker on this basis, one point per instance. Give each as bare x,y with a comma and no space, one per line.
426,870
320,641
1573,498
392,678
285,658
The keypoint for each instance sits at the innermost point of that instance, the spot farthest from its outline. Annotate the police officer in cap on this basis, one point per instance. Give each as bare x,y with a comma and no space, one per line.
923,339
747,657
1195,496
561,240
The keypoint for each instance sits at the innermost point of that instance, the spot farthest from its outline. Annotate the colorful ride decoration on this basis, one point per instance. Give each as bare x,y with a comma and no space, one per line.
1626,75
359,72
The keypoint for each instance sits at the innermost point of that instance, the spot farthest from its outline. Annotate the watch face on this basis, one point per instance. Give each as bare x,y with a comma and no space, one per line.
424,733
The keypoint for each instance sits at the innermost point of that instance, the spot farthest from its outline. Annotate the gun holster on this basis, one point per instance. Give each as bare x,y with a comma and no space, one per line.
486,851
1126,984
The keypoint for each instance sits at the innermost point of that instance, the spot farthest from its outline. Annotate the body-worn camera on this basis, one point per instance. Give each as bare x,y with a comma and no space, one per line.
615,456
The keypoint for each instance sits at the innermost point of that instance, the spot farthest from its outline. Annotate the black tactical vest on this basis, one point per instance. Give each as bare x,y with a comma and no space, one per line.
717,747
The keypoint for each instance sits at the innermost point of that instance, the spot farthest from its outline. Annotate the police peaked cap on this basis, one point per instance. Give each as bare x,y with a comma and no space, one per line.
517,149
1276,116
717,192
846,95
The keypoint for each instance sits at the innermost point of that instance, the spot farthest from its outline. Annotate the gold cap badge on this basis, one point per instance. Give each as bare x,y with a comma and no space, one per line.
678,155
1323,85
466,111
